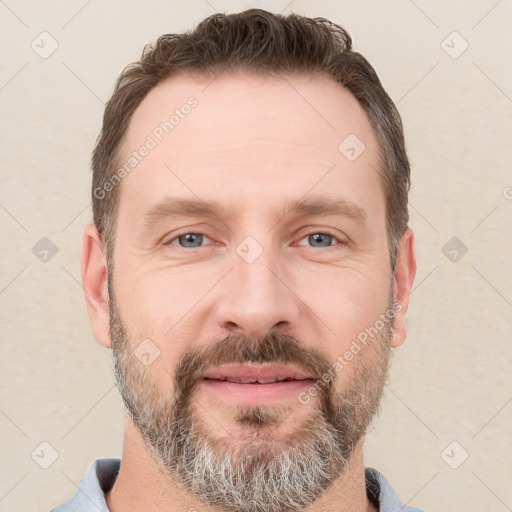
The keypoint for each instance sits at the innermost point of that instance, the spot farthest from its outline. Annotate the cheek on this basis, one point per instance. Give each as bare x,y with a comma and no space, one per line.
347,300
170,308
156,298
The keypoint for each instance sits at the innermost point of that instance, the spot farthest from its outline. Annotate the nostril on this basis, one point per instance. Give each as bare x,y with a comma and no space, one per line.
232,326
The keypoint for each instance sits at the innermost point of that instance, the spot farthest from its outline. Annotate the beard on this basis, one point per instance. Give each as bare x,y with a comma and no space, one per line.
259,471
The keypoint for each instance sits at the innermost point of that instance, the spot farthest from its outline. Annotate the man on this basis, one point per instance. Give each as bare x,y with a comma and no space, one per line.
250,266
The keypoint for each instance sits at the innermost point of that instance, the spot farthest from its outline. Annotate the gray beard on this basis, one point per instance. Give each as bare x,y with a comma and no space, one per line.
258,473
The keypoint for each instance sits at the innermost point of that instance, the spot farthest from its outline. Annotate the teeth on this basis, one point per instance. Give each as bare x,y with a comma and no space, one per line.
253,381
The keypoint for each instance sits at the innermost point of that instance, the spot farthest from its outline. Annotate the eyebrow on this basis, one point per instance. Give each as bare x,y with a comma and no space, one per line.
179,207
322,206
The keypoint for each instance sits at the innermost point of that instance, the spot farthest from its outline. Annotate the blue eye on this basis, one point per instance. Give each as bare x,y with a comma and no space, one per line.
189,240
195,240
320,240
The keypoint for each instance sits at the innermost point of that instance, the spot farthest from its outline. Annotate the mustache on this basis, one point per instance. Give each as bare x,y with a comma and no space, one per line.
240,349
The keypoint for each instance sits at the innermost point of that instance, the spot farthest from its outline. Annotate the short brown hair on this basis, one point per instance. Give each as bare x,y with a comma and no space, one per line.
258,41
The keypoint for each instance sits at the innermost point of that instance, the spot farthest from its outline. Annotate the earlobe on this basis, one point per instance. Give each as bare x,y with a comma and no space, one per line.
95,284
403,279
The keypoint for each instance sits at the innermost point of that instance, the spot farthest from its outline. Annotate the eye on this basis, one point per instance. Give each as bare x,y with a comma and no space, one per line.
319,239
188,240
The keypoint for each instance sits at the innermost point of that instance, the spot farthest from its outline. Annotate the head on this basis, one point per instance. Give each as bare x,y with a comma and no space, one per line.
250,223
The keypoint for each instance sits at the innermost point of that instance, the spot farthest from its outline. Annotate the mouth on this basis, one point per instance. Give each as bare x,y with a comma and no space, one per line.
256,383
253,381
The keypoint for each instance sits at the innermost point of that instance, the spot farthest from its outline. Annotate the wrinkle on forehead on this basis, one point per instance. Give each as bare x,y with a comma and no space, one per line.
238,109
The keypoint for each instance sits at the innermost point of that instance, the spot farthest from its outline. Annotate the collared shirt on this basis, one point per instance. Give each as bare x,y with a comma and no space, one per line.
102,473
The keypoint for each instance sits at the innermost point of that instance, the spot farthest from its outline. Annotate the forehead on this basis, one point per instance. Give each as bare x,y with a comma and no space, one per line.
258,134
308,105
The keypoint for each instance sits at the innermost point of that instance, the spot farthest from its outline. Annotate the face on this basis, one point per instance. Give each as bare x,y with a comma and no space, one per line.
250,259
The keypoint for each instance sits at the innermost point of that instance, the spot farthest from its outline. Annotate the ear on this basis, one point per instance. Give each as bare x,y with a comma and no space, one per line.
94,284
403,279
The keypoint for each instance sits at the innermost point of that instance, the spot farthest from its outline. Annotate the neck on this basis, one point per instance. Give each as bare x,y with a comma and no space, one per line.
142,484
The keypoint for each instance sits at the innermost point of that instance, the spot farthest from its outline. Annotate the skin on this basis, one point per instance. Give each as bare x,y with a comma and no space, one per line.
253,144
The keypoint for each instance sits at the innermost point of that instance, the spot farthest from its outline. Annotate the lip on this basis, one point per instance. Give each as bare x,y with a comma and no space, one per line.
214,381
255,393
255,372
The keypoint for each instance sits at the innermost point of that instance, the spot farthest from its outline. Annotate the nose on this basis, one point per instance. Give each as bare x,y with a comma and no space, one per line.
257,299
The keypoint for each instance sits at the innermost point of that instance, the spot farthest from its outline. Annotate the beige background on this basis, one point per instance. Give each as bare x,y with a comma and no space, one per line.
451,381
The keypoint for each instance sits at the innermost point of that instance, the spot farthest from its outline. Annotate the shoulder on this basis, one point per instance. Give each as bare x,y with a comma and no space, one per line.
90,495
382,495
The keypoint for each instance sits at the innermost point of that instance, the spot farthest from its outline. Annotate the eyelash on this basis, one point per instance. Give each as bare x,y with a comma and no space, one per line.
328,233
